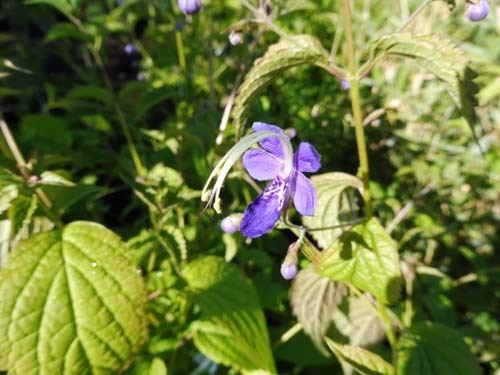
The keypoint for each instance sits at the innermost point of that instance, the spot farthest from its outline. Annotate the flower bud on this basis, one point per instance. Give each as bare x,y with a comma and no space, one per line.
289,267
189,6
478,10
231,223
345,85
235,38
288,270
291,132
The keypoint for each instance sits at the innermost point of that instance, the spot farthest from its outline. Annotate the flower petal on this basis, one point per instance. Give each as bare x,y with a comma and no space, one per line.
307,159
273,145
262,214
304,195
262,165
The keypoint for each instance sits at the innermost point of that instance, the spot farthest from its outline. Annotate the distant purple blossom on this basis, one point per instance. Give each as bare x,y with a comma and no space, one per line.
130,48
478,11
288,182
189,7
345,85
235,38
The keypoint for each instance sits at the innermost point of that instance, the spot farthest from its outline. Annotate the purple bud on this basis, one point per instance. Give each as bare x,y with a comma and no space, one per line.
288,270
231,223
189,6
235,38
345,85
179,25
130,48
478,11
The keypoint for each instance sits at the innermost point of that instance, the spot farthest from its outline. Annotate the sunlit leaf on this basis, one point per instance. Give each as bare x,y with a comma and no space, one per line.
433,349
72,303
232,329
336,205
439,56
367,257
314,299
362,360
287,53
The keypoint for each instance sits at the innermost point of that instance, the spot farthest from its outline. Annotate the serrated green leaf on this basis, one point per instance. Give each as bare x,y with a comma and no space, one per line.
359,323
362,360
314,299
232,330
439,56
336,205
366,257
433,349
72,303
287,53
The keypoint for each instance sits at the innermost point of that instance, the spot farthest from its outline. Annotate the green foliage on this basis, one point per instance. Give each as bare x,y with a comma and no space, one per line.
442,58
232,328
364,361
290,52
366,257
431,348
72,302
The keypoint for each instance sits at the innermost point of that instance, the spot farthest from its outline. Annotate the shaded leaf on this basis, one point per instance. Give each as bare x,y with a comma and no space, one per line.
336,205
431,348
287,53
359,323
366,257
232,329
314,299
72,302
361,360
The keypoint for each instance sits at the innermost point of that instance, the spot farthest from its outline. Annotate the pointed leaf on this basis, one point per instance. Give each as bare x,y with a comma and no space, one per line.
72,302
362,360
287,53
336,205
365,256
314,299
433,349
232,330
440,57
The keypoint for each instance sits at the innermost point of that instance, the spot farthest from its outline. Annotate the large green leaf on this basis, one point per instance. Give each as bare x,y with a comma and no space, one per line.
232,329
365,256
314,299
336,205
72,303
433,349
439,56
362,360
287,53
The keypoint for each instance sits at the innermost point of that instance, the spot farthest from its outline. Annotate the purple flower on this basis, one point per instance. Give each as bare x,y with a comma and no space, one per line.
189,6
477,11
345,85
288,182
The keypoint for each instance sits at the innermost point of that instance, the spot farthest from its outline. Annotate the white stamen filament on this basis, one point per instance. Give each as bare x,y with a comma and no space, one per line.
225,164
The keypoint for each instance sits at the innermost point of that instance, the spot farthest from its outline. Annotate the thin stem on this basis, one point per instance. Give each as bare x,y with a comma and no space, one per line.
180,50
287,335
23,168
414,15
387,324
364,168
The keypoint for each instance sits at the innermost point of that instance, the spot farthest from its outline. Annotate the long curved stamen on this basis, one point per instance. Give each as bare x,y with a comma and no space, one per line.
224,165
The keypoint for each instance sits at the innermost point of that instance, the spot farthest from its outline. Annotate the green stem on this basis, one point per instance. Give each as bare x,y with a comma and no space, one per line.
287,335
180,50
414,15
387,324
364,168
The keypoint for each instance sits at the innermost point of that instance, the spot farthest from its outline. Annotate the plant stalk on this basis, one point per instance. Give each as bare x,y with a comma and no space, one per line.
364,168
